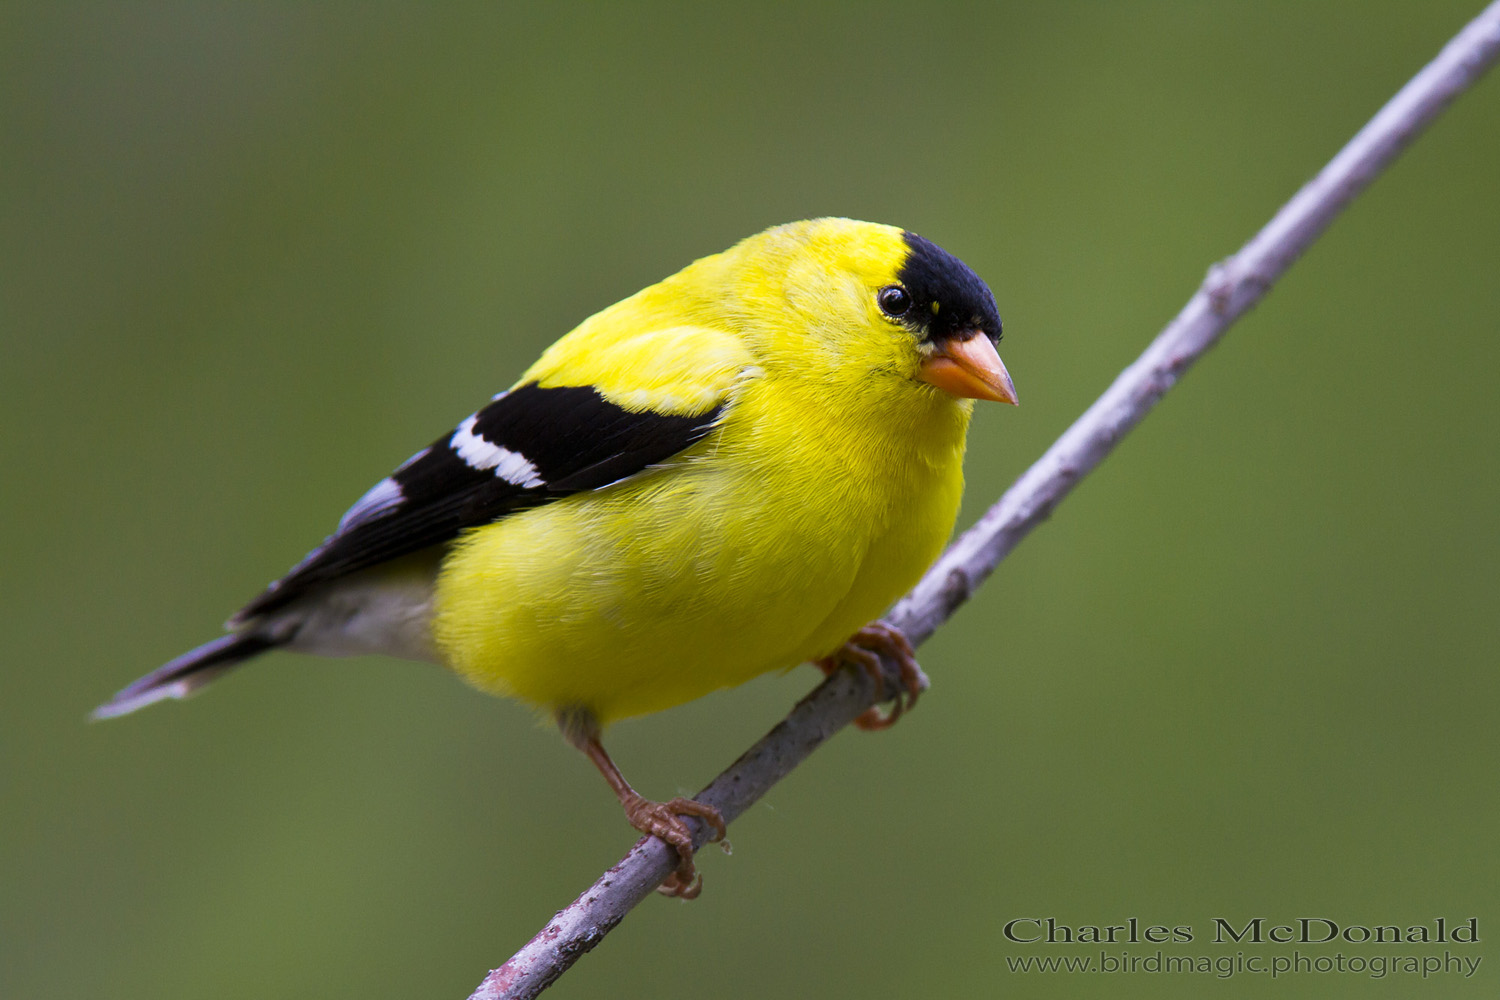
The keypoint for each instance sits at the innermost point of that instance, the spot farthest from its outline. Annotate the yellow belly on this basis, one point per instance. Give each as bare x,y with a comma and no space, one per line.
750,554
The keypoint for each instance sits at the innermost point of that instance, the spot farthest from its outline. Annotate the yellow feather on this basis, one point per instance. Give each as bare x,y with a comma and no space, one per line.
830,483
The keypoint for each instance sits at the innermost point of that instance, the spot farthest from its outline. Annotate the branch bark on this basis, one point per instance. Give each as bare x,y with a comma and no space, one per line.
1231,289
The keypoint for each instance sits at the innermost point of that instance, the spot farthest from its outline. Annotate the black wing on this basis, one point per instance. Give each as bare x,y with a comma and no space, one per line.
528,447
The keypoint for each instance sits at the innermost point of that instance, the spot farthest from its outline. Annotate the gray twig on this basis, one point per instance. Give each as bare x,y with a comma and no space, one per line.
1231,289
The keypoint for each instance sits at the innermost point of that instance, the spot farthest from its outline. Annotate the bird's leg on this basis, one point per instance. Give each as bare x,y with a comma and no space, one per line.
863,651
658,819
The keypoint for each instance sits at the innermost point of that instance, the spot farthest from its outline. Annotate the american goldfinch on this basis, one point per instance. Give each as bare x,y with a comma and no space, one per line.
727,473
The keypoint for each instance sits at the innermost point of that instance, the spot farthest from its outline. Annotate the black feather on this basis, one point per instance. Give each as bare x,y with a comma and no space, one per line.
188,672
574,438
950,299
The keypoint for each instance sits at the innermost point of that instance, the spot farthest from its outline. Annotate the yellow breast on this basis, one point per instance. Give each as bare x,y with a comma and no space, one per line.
768,543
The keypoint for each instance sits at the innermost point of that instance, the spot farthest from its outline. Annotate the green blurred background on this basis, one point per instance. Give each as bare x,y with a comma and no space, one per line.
252,256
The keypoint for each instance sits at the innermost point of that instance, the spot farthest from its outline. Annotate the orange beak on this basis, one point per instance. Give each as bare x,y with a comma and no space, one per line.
969,369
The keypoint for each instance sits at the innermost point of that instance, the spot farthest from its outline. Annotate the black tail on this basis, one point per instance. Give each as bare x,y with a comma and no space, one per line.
187,673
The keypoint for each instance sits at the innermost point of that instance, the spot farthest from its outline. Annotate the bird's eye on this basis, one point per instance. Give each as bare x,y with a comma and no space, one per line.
893,300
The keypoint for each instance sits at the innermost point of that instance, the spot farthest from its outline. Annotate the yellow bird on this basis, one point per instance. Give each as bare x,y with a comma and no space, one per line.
728,473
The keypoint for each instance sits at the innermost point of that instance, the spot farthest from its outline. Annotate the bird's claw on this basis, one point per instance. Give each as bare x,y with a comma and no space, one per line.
664,820
863,651
678,886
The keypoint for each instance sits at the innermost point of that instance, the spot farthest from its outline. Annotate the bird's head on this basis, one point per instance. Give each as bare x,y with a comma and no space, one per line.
867,298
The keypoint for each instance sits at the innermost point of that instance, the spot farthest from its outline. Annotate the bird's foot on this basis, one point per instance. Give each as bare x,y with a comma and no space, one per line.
664,820
863,651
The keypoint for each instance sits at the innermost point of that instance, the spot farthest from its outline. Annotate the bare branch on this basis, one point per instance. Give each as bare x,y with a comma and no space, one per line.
1231,289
